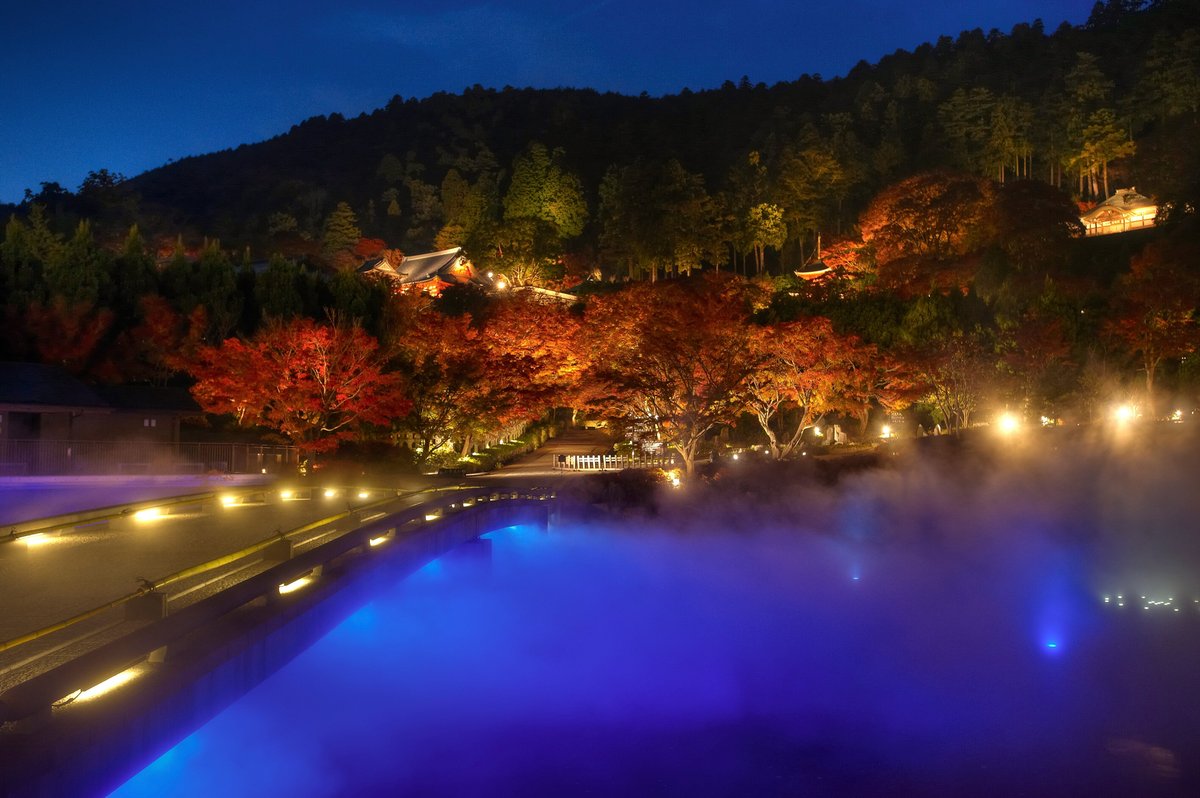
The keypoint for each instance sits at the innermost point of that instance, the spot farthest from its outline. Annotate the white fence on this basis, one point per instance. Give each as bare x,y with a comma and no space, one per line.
611,462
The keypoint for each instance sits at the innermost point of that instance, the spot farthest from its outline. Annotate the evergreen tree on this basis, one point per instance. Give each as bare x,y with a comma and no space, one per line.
341,231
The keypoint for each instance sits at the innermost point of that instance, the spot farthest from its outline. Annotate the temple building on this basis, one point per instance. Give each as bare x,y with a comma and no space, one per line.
1125,210
430,273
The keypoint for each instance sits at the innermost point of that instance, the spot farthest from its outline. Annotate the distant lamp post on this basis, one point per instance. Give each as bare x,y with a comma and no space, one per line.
1008,423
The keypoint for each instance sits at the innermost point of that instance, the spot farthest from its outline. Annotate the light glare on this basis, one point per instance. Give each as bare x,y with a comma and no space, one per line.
109,684
293,586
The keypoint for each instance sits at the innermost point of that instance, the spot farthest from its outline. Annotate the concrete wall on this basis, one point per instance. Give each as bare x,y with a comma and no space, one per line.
124,426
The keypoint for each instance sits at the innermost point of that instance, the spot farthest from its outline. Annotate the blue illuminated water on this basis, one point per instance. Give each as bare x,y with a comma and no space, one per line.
599,662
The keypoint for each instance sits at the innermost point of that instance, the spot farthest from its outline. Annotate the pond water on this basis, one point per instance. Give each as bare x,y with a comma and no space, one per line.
643,660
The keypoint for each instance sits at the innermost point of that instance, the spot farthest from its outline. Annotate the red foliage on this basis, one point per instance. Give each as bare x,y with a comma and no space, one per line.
369,248
673,357
314,383
1156,306
67,334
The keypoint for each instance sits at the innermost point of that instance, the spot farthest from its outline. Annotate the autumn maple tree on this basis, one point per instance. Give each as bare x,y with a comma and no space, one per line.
800,366
1156,307
534,355
924,228
444,373
674,357
314,383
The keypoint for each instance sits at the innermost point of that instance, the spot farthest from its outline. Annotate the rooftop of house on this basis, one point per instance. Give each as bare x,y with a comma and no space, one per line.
42,387
41,384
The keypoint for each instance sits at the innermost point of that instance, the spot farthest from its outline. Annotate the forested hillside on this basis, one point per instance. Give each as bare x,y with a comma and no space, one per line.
746,167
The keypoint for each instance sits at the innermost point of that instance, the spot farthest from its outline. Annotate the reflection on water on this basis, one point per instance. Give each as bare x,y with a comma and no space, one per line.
609,663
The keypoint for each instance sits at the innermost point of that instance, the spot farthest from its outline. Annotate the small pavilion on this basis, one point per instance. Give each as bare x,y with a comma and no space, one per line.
1125,210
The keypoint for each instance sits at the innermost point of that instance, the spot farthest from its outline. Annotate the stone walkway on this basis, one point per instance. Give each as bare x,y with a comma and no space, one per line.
540,463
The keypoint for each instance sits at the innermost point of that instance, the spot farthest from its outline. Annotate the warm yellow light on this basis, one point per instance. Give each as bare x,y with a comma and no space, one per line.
362,494
286,494
148,514
1008,423
885,431
501,284
38,539
1177,416
675,481
735,456
379,540
1124,413
109,684
292,587
432,516
817,432
228,501
330,493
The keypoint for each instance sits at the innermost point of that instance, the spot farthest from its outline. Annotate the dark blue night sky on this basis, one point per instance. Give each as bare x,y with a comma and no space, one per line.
127,85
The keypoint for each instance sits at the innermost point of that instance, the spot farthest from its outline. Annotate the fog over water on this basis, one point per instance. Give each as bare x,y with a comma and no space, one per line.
936,626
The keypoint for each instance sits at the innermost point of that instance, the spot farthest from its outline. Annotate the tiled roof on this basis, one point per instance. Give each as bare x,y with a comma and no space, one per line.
37,385
419,268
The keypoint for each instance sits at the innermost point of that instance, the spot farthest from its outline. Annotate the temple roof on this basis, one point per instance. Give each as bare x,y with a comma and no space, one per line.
1123,200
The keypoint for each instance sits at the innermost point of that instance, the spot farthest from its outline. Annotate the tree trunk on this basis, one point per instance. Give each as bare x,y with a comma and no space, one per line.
687,452
1151,368
764,421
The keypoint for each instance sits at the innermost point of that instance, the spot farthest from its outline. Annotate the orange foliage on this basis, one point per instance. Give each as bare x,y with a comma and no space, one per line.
312,382
673,357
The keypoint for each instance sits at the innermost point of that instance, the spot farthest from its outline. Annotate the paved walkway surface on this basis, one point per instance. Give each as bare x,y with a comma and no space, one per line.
51,577
540,463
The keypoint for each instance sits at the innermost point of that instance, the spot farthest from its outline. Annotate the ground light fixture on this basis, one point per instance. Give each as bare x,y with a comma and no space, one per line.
103,688
1008,423
147,514
295,584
